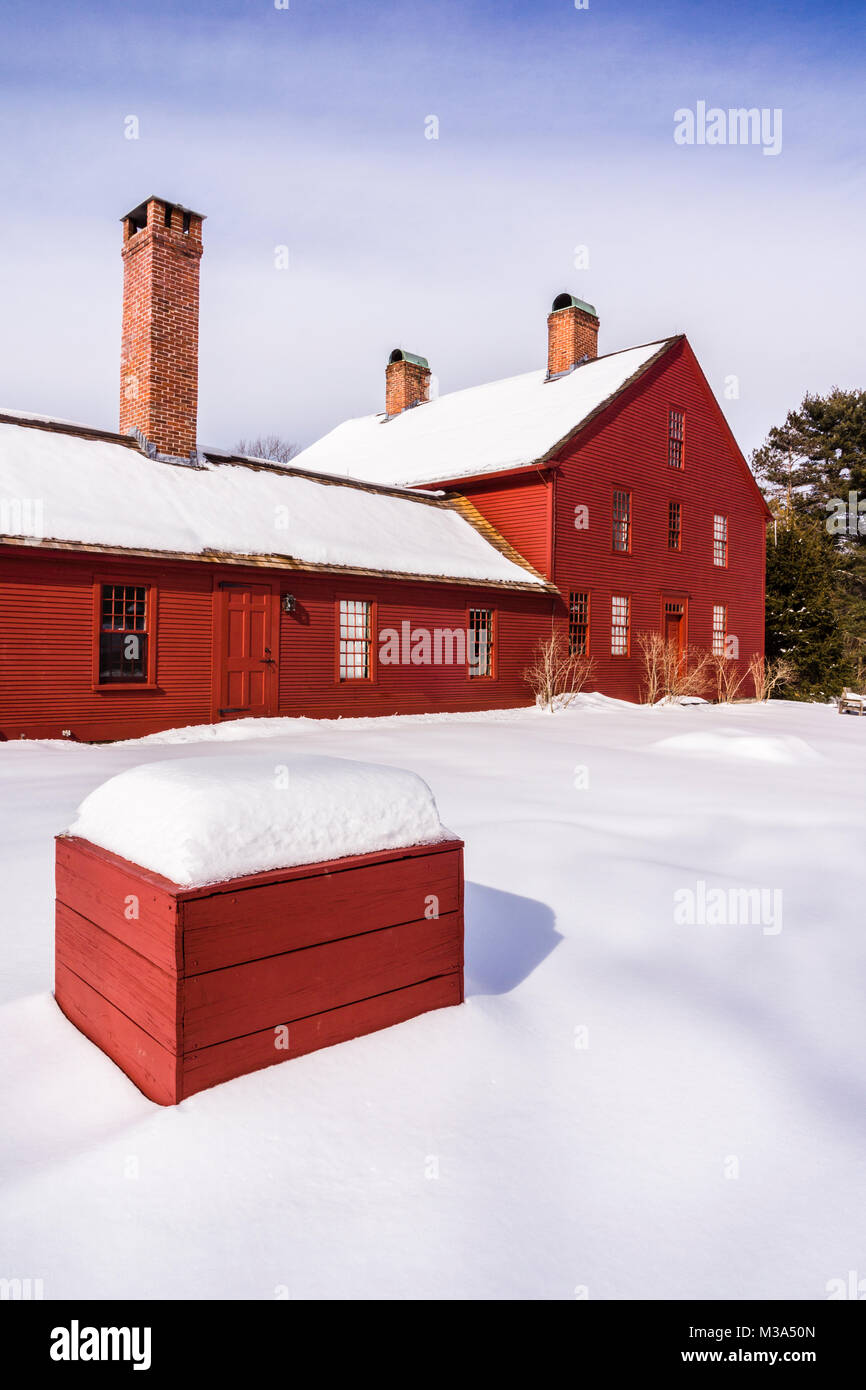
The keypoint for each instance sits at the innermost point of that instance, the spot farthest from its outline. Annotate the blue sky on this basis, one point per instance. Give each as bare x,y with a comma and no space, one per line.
306,128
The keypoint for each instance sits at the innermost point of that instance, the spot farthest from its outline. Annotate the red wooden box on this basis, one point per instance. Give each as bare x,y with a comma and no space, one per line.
186,987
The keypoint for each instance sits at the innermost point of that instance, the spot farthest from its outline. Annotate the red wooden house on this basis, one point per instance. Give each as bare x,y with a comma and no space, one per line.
409,563
617,477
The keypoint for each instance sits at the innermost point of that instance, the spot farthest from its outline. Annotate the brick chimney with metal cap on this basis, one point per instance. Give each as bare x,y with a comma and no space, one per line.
162,249
407,381
572,334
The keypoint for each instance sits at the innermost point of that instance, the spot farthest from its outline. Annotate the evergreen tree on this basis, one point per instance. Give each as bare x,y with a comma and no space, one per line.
803,621
813,469
818,455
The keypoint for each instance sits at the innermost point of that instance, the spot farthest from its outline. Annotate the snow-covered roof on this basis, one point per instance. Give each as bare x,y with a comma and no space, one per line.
204,820
484,429
66,485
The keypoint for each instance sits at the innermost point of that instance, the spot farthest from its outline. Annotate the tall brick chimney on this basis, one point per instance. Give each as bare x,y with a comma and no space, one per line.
572,334
407,381
159,348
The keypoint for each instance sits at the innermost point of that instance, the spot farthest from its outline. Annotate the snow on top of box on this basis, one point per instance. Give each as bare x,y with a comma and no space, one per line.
484,429
56,485
204,820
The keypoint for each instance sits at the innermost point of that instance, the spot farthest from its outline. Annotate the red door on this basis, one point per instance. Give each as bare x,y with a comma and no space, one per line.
248,667
674,628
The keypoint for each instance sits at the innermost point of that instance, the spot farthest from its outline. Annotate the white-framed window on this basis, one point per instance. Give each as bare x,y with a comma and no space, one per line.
720,540
619,624
720,628
356,639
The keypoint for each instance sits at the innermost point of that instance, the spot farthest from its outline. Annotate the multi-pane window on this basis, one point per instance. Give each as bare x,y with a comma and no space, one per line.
123,632
578,624
356,636
720,624
676,437
675,526
621,520
619,617
720,540
480,653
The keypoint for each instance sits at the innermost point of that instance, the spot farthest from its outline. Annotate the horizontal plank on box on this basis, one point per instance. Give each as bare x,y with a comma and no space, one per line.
153,1068
248,924
208,1066
138,988
324,866
100,886
227,1003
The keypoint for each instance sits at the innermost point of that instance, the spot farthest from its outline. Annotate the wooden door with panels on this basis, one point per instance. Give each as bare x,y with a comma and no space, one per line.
674,629
246,666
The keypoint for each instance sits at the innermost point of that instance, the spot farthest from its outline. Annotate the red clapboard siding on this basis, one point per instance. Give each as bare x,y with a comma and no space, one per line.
222,1061
330,950
521,509
47,645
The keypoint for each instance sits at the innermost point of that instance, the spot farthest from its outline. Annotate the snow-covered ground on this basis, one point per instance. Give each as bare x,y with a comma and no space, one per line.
628,1104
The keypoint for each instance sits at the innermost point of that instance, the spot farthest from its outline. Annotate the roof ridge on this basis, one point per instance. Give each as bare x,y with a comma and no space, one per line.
52,426
498,381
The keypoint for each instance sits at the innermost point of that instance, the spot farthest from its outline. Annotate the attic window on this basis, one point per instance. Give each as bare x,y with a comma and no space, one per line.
676,437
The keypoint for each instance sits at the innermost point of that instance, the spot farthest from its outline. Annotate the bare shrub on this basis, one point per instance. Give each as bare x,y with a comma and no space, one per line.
766,675
557,675
652,648
669,673
727,675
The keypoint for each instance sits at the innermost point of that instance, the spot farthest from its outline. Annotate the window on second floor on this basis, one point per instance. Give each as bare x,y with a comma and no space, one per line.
720,540
675,526
621,518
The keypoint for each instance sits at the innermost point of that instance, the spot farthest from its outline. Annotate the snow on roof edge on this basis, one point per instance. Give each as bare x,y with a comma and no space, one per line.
504,569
